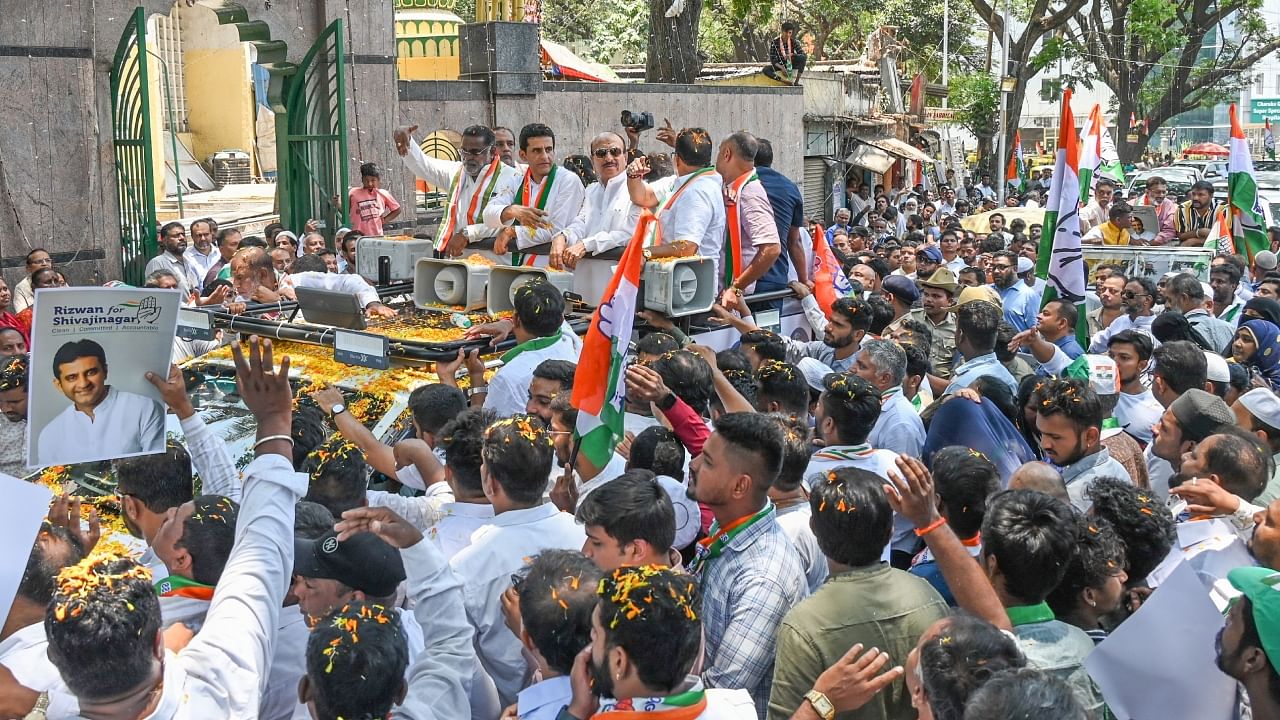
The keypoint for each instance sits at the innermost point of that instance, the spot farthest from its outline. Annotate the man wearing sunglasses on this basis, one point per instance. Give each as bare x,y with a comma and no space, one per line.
606,221
1137,299
480,188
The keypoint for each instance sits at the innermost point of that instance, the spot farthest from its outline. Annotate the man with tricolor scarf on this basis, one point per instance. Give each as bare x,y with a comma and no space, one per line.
689,206
193,542
481,188
753,243
543,187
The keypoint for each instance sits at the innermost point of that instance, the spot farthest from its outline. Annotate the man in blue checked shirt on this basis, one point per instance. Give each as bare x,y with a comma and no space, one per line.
1019,301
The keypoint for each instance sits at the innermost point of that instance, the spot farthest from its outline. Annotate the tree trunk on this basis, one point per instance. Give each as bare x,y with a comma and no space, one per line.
1129,152
673,55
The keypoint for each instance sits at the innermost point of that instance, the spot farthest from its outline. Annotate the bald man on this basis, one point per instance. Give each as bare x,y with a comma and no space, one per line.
1040,477
606,221
255,280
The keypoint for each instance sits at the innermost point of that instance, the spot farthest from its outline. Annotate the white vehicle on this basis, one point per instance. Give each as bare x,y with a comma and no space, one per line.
1179,177
1268,192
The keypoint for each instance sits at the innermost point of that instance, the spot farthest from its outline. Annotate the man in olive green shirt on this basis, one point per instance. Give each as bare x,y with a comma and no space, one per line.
864,600
937,296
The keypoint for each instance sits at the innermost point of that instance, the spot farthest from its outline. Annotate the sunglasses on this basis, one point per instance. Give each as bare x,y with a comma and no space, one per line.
606,152
1129,296
478,152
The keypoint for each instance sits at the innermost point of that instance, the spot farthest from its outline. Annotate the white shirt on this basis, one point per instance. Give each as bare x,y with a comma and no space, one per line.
1141,324
441,174
485,569
794,520
220,673
899,428
25,654
607,219
564,202
1092,216
23,296
956,264
509,387
697,215
1137,413
542,701
13,447
182,268
288,665
202,263
447,523
334,282
868,458
123,424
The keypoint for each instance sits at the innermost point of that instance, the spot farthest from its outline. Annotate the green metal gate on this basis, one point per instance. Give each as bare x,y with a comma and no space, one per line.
131,138
312,139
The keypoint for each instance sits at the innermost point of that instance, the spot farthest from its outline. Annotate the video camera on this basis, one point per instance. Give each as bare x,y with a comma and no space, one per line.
638,121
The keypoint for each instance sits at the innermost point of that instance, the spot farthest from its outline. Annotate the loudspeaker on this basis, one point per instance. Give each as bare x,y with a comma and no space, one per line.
684,286
450,282
504,281
402,256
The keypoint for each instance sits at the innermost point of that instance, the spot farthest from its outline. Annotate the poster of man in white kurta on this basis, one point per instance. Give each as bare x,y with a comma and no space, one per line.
91,349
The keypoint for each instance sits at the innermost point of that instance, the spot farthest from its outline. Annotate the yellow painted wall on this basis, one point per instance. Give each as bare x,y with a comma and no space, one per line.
219,100
155,78
427,68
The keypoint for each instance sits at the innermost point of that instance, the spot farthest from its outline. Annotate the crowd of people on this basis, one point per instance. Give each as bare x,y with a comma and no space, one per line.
938,510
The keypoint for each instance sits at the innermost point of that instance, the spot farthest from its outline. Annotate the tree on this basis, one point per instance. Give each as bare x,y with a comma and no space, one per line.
1162,57
1028,55
919,24
673,55
976,96
599,30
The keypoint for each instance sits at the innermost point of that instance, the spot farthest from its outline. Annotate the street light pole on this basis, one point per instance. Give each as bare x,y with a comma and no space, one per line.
946,51
1004,100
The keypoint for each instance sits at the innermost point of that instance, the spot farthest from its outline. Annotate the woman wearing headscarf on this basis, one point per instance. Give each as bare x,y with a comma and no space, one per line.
1257,346
982,426
1263,308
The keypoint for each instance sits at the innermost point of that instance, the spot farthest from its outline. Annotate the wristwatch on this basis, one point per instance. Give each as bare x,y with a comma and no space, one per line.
337,409
477,390
666,402
821,704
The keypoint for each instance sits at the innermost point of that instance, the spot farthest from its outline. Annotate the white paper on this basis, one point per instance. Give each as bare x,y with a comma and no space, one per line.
25,506
1161,662
1196,532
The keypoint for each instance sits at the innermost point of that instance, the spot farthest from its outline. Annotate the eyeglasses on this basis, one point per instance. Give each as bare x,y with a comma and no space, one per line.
476,153
1000,267
605,152
1129,296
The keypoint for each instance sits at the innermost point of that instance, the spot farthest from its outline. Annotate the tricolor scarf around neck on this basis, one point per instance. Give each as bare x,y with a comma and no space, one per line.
687,705
476,204
524,194
711,547
733,249
177,586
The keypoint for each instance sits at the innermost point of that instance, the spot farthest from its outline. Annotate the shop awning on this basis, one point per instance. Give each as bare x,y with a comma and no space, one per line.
896,147
561,62
871,158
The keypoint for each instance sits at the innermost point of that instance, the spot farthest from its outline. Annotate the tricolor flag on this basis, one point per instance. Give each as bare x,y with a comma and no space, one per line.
1090,152
1133,121
1016,172
1108,159
829,281
1248,231
1269,141
1220,233
1061,261
598,390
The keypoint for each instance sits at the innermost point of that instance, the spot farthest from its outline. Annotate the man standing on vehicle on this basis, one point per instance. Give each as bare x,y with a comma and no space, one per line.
1095,213
1195,216
1157,196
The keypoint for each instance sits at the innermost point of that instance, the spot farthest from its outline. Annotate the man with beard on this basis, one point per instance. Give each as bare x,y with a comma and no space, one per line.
645,635
1137,301
850,319
480,187
1111,304
748,569
937,294
1157,196
606,221
1224,278
14,381
557,194
1194,217
1251,638
1186,294
173,247
1016,298
1137,409
200,255
1069,419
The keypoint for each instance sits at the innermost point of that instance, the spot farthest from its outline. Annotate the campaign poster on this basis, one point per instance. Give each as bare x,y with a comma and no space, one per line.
89,397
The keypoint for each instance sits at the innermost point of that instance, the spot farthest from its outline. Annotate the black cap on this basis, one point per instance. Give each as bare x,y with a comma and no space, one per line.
364,562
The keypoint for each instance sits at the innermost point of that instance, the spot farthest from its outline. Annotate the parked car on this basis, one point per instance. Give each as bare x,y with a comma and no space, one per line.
1179,177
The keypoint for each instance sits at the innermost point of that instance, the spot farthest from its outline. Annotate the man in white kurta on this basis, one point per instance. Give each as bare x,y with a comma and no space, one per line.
101,422
480,187
689,206
544,186
606,221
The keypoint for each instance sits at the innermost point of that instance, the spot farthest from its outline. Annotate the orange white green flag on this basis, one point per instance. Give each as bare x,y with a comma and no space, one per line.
1248,230
1061,261
598,389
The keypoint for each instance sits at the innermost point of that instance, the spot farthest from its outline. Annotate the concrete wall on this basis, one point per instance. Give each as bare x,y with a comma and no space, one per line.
219,89
579,111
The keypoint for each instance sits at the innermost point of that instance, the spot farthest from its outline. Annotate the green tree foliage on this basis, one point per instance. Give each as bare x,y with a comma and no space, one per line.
1165,57
603,31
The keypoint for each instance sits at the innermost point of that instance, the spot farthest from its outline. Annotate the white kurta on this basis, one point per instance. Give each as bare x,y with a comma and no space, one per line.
441,174
606,221
564,202
697,215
